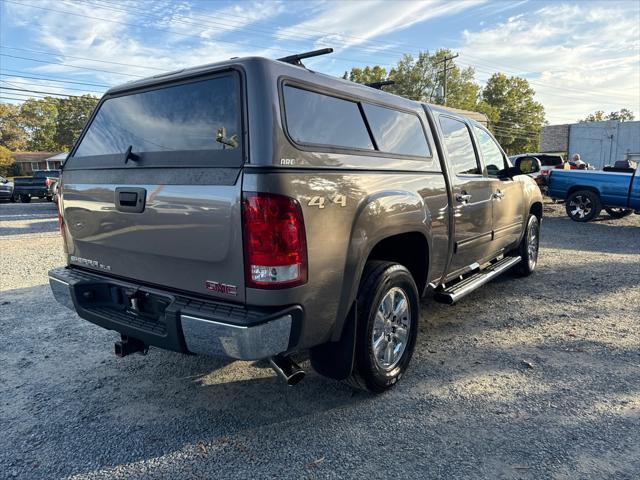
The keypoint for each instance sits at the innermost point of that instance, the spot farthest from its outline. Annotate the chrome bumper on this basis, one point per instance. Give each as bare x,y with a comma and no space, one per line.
204,336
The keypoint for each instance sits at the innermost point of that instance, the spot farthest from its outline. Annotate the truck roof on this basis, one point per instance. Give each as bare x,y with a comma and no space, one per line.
277,69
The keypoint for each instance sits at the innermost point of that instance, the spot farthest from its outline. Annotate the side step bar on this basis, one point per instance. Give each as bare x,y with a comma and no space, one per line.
464,287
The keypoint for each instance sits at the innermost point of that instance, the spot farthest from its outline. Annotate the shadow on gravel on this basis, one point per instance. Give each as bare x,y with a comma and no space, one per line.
46,226
590,236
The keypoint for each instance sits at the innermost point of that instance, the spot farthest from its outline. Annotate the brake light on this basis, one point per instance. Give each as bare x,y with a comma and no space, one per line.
47,182
275,244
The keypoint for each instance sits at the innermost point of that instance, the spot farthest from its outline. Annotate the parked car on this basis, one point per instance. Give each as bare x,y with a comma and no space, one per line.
39,185
254,209
6,190
586,193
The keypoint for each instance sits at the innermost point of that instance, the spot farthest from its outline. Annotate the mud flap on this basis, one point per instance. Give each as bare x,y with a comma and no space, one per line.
335,359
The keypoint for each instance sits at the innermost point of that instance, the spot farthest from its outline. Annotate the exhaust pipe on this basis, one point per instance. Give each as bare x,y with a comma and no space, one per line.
127,346
287,369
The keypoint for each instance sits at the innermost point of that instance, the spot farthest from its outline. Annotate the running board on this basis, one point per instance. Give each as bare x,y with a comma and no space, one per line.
464,287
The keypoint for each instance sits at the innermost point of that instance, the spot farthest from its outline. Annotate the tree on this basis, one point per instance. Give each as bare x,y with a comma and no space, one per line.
73,113
13,135
624,115
366,74
39,117
419,78
519,116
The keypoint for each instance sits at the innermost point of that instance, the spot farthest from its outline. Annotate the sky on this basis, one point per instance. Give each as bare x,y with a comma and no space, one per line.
578,56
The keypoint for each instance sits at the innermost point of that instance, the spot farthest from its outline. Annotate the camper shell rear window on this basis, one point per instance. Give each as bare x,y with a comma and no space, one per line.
191,123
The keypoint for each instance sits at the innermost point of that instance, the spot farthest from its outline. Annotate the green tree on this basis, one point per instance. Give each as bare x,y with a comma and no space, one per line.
419,78
39,117
73,113
13,135
366,74
623,115
516,117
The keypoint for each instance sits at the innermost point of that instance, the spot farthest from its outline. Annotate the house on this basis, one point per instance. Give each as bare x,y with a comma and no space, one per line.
32,161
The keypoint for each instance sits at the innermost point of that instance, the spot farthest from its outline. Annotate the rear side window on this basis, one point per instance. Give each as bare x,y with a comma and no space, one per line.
397,132
460,152
196,116
320,119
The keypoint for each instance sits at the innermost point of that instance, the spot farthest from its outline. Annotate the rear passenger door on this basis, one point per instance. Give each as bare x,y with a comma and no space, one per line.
472,193
507,194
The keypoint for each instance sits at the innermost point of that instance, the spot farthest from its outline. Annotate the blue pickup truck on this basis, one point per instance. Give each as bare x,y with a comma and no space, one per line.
587,192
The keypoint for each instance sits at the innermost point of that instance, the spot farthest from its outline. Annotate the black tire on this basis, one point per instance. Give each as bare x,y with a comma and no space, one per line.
49,199
529,248
583,206
381,280
615,212
25,198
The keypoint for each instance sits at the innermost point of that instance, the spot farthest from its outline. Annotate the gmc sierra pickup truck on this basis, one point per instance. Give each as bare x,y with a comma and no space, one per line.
255,209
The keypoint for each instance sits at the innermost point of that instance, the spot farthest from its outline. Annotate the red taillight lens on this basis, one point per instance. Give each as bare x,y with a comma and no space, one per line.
275,246
47,182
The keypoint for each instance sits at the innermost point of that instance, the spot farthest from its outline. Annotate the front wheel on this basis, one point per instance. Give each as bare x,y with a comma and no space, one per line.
615,212
529,248
387,326
583,206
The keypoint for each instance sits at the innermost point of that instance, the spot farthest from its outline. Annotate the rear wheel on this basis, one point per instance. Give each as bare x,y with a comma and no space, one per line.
25,198
583,206
615,212
388,314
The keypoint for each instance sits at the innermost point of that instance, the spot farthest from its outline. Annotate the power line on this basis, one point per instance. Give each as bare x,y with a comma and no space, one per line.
47,93
69,65
51,79
27,84
81,58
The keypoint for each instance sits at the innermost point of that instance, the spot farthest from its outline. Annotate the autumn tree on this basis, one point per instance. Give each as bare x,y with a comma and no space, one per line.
73,113
623,115
517,117
13,135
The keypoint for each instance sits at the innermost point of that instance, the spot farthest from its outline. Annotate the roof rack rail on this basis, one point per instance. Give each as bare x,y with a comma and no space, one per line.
379,85
295,59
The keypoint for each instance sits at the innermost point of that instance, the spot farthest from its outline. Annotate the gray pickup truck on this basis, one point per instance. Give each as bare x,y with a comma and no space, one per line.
255,209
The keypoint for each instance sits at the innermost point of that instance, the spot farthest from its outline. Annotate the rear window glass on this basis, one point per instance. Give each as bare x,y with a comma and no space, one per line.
202,115
397,132
549,161
320,119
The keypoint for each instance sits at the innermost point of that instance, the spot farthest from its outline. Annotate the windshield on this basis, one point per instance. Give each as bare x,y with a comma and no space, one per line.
203,115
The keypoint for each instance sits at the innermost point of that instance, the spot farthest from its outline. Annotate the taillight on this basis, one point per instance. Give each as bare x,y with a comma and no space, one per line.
47,182
275,246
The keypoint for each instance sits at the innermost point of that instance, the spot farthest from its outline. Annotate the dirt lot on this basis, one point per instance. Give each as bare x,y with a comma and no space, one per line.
526,378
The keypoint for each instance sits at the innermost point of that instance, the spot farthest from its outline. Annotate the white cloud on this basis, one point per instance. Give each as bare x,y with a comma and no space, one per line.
353,23
578,58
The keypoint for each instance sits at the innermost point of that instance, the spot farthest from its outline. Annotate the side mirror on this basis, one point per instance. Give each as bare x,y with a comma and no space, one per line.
528,165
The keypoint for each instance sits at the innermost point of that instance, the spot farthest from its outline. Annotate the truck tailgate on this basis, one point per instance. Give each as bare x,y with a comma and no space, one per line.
187,237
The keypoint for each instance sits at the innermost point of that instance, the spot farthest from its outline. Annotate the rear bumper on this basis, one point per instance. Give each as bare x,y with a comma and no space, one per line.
186,324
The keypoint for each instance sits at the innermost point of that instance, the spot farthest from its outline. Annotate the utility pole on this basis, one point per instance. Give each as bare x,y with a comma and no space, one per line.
445,68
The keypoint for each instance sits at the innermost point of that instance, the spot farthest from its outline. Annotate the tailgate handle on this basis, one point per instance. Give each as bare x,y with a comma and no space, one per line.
130,199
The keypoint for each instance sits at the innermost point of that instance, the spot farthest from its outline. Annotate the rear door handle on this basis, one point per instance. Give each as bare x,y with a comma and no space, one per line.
463,197
130,199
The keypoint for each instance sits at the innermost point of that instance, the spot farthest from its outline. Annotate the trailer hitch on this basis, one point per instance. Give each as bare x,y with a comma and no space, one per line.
128,345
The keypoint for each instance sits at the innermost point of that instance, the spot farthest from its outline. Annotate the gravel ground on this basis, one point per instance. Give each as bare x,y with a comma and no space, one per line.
526,378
